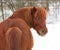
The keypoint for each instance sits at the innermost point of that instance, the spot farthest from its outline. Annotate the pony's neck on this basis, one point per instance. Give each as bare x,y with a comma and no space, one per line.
30,22
28,17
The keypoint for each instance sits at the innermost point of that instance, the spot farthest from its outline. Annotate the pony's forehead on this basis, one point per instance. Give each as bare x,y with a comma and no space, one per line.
41,11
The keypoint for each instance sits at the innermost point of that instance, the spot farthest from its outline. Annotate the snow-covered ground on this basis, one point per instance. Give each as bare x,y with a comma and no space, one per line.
51,41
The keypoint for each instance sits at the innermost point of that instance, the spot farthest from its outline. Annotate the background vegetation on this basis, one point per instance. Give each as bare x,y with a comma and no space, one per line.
7,7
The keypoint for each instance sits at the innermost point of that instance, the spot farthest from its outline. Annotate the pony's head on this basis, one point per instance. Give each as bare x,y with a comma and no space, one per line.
39,20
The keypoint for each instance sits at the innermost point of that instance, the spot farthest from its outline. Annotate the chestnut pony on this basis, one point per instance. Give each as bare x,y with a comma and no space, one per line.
15,34
35,17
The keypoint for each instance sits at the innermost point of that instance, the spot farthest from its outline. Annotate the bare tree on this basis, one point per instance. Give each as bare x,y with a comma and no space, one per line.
47,5
2,10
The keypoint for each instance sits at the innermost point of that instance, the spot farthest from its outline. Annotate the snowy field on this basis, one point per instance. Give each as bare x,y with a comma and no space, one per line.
51,41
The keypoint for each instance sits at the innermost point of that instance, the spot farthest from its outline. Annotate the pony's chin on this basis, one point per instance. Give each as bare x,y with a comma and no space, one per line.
42,34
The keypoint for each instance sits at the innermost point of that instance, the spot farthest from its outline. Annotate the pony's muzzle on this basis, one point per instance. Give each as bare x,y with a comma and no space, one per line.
43,32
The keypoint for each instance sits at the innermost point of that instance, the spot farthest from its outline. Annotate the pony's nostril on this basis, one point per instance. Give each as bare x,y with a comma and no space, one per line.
42,31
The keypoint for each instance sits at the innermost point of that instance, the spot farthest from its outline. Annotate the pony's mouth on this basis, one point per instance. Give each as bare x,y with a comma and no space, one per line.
42,33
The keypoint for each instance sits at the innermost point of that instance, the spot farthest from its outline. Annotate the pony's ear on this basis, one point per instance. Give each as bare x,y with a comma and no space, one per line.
33,10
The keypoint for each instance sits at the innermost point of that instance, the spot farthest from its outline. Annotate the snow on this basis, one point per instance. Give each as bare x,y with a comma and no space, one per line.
51,41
